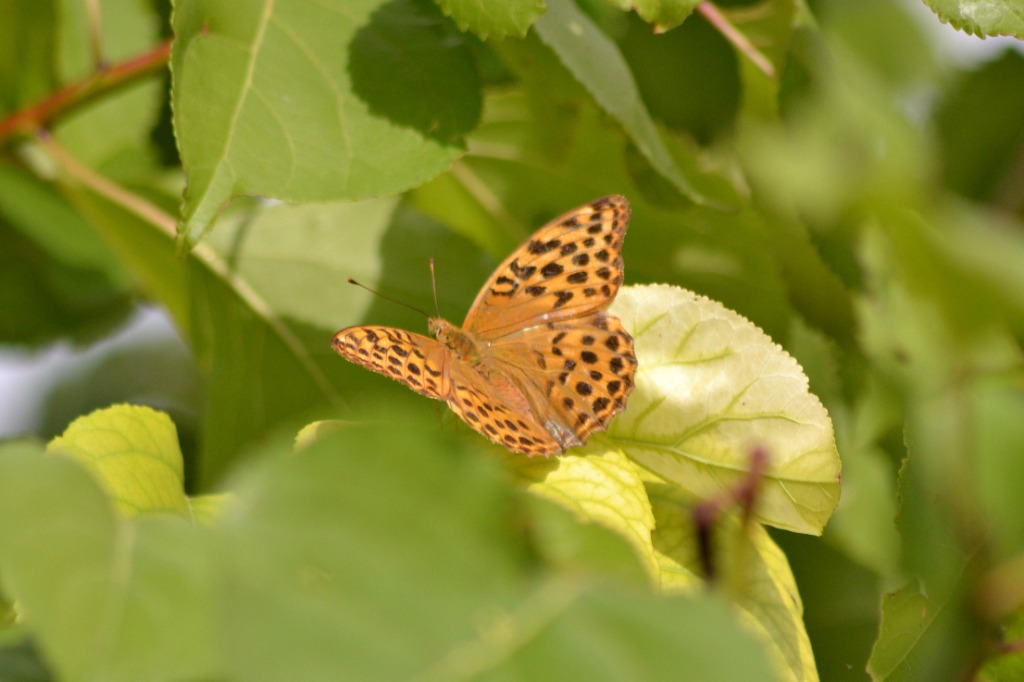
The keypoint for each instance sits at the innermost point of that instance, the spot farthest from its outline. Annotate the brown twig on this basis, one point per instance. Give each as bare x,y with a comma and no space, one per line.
1014,647
31,119
744,493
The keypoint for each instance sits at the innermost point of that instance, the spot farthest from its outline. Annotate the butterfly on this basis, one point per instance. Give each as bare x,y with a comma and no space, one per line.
537,365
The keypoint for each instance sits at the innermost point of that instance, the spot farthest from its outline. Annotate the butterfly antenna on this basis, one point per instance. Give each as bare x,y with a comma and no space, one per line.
433,285
388,298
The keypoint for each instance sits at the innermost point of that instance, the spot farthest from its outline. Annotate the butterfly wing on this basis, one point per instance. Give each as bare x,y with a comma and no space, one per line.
548,368
500,411
577,374
491,406
570,267
418,361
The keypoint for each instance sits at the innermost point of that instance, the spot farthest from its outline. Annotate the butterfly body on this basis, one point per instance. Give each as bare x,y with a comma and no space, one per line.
537,366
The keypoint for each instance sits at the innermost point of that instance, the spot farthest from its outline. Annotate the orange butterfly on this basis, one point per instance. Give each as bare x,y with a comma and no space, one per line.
537,366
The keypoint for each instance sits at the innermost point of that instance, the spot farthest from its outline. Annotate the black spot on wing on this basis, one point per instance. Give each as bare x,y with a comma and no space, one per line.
552,269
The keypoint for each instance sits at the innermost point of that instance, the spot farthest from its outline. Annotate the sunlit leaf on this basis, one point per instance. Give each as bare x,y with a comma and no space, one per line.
598,484
710,387
665,14
133,452
992,18
98,591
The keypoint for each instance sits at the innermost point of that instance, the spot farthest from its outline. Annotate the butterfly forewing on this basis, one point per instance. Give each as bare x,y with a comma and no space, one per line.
569,267
417,361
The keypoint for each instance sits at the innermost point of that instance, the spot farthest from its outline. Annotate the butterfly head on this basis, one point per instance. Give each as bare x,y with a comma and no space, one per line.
438,328
459,342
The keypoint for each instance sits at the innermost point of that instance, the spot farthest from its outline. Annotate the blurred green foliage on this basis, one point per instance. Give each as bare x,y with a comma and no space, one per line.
821,168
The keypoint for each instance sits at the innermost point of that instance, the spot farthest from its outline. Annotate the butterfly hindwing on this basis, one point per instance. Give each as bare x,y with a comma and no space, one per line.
570,267
480,405
417,361
583,370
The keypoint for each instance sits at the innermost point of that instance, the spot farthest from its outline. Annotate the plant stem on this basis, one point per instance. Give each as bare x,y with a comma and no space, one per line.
31,119
133,203
740,41
95,14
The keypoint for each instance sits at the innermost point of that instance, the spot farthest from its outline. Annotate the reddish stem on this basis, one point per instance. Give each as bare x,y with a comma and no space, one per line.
31,119
743,493
1014,647
715,17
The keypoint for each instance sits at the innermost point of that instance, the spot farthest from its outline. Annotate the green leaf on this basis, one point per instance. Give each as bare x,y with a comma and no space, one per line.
701,93
44,299
999,415
929,629
948,354
596,62
889,38
863,524
28,36
298,258
372,537
905,614
147,365
349,533
20,661
309,577
769,28
711,386
37,209
797,167
719,254
922,636
611,635
98,592
493,18
315,101
978,123
262,370
993,18
571,544
665,14
598,484
208,508
133,452
58,278
128,28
